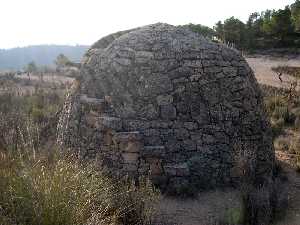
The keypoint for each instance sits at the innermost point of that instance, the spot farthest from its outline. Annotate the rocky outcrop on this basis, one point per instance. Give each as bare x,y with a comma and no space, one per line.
163,101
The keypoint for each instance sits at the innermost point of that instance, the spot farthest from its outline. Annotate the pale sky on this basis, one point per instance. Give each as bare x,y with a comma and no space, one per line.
34,22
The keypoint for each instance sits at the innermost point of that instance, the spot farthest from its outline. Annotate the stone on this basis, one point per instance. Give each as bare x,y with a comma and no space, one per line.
153,152
164,99
128,136
130,158
168,112
180,106
130,167
156,167
106,122
191,125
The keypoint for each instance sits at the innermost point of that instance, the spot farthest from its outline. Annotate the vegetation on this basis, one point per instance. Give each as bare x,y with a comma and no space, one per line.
204,30
31,67
62,60
283,108
41,186
268,29
52,189
290,70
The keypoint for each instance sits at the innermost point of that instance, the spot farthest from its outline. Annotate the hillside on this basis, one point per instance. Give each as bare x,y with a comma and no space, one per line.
17,58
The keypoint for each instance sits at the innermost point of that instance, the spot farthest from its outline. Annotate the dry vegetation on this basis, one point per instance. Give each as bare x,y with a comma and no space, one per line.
41,186
55,189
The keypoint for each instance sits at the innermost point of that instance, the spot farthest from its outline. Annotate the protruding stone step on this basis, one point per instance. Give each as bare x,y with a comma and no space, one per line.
178,170
129,142
130,136
156,152
96,105
108,122
93,101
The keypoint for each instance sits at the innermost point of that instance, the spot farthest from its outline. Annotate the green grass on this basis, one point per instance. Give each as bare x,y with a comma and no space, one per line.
63,191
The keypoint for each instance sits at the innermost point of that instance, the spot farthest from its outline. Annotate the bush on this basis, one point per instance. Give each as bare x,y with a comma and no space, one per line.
64,191
282,144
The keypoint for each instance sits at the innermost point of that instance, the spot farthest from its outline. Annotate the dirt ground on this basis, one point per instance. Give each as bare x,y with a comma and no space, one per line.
209,208
262,67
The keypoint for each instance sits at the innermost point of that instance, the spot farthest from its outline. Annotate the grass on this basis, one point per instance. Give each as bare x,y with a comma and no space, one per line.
282,111
290,70
40,186
58,190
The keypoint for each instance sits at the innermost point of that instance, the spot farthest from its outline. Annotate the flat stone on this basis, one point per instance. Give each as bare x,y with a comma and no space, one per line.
88,100
106,122
128,136
156,152
164,99
130,158
168,112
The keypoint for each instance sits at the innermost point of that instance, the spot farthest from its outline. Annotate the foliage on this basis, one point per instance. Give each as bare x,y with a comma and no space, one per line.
234,31
28,120
282,109
268,29
204,30
62,60
280,25
295,15
55,189
41,186
290,70
31,67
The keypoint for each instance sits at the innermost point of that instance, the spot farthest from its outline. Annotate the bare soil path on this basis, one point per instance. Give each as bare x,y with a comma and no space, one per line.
262,67
209,208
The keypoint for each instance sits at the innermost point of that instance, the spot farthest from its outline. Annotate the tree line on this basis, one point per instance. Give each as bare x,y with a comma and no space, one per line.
268,29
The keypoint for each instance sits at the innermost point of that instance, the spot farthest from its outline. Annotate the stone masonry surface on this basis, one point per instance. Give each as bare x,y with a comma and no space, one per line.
165,102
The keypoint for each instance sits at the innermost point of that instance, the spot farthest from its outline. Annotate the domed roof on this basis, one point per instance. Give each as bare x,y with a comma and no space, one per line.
195,105
143,68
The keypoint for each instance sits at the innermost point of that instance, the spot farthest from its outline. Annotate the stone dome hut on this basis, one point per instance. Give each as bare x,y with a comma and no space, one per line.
163,101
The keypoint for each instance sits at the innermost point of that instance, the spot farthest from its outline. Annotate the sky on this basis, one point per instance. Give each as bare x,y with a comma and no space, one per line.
34,22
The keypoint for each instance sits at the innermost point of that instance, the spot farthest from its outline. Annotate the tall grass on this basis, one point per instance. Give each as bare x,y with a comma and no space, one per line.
48,190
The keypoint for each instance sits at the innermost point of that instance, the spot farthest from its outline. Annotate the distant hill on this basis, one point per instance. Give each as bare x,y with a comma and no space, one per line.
17,58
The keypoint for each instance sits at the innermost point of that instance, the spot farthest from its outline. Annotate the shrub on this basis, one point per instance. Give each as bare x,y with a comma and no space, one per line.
63,191
277,127
234,216
282,144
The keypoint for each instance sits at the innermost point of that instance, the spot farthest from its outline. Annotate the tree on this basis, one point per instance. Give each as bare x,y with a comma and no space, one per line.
295,15
219,30
31,67
267,24
62,61
278,24
253,29
234,32
204,30
254,24
282,22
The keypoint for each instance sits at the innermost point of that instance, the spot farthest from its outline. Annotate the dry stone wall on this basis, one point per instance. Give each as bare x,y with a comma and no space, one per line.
163,101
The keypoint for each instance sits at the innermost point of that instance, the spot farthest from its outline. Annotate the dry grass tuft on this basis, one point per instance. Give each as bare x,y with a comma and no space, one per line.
63,191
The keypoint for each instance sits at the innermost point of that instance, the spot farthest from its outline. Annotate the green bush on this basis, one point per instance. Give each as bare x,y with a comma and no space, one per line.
50,190
234,216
